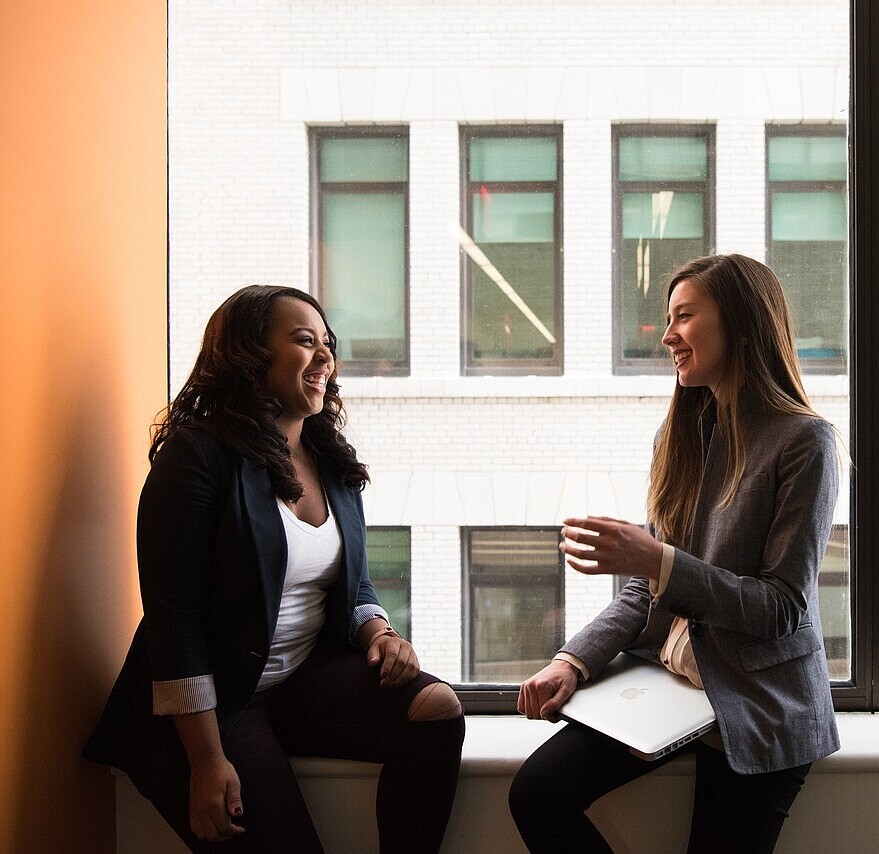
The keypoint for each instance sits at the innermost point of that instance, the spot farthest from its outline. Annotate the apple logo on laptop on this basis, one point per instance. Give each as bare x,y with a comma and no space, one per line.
632,693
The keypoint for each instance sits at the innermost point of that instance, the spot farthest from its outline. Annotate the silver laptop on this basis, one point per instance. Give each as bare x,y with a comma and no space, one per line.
642,705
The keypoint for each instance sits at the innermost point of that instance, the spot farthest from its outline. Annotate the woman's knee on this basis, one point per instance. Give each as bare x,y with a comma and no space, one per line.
435,702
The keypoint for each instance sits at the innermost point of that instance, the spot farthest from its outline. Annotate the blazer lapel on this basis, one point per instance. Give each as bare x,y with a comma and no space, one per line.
261,516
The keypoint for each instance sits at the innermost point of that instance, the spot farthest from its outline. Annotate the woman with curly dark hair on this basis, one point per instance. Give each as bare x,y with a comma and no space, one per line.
262,635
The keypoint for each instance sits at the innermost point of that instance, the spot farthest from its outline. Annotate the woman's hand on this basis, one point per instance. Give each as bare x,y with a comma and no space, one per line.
399,663
214,800
598,545
545,692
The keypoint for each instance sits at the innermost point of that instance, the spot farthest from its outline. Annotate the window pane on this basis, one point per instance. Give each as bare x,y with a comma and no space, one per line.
357,159
516,608
809,216
389,558
665,215
504,159
645,265
814,277
671,158
362,262
513,217
807,158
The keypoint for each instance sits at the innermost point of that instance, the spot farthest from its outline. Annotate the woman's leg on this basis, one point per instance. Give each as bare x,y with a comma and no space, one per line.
333,706
739,812
561,779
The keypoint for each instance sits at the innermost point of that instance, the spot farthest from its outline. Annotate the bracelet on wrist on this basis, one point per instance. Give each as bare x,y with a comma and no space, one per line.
387,630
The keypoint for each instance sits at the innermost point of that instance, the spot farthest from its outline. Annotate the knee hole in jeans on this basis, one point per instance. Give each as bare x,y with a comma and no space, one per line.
435,702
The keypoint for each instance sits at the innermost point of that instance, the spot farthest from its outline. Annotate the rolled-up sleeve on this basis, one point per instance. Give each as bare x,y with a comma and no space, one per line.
184,696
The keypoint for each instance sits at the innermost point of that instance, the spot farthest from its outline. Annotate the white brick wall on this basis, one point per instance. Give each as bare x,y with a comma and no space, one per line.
246,80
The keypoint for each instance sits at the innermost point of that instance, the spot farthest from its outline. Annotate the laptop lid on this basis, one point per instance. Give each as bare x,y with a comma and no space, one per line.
642,705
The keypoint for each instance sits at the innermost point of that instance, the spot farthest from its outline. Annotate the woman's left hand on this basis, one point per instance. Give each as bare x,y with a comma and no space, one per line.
598,545
399,663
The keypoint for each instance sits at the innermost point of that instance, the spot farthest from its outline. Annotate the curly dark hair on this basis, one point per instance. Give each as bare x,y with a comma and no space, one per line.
223,395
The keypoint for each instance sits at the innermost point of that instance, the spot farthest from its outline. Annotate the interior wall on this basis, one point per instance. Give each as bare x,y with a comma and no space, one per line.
83,358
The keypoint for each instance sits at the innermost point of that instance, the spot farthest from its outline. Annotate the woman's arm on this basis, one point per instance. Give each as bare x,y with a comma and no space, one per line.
214,788
777,558
178,518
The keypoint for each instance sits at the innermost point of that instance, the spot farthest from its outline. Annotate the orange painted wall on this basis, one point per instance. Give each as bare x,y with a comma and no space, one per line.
82,374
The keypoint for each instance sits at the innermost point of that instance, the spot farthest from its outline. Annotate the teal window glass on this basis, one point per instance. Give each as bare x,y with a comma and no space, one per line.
808,245
513,159
663,158
512,255
362,249
662,194
388,552
514,601
807,158
356,159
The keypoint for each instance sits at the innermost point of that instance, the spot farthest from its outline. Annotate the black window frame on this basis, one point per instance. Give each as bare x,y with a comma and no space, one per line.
801,130
316,134
629,366
512,367
467,597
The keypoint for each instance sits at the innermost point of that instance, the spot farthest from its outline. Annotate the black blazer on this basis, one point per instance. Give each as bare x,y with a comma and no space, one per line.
212,556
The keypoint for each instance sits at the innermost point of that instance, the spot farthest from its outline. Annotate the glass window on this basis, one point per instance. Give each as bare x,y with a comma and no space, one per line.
511,246
807,223
360,245
663,217
388,552
514,602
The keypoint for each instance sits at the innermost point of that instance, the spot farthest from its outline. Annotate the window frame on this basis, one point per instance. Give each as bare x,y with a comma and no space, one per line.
316,134
467,591
861,693
807,130
623,366
518,367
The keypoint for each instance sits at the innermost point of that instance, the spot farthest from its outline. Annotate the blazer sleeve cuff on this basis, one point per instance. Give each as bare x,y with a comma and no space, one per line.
576,662
184,696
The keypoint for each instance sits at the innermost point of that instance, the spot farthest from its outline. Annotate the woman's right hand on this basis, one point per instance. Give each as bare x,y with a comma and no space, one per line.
214,799
545,692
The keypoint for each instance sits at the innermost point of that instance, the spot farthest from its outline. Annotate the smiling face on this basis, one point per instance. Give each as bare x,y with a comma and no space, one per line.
301,362
695,336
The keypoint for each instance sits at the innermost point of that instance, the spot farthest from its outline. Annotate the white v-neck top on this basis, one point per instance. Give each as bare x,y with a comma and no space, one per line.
314,557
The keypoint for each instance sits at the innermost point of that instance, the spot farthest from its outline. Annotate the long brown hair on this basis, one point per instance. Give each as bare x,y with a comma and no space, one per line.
224,395
760,374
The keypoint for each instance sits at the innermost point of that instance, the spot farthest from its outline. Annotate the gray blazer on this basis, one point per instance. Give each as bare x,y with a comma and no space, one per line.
748,584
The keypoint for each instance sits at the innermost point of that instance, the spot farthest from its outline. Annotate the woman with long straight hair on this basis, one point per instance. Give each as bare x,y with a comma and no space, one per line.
262,636
724,587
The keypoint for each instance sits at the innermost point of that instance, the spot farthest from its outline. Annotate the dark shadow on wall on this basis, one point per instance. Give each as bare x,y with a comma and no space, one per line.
80,604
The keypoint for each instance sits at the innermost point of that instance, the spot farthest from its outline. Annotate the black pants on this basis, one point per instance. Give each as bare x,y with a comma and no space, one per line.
732,813
333,707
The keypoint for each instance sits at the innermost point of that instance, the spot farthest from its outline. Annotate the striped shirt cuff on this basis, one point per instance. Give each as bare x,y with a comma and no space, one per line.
184,696
365,613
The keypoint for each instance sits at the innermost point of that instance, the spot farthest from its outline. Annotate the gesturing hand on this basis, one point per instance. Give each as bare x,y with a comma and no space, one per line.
598,545
545,692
